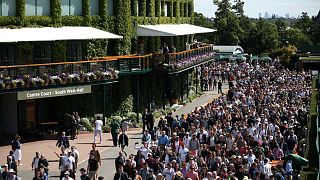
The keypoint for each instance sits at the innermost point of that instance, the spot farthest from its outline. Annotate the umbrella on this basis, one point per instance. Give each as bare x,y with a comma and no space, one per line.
297,161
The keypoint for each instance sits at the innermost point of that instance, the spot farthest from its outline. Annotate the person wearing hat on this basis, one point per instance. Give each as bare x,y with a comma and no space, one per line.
83,174
66,176
178,176
11,175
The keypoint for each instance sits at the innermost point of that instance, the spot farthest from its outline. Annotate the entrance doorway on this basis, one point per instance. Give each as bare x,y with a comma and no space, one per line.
31,114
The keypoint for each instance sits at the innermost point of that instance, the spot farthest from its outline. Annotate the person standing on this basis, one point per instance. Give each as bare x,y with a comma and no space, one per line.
114,132
12,164
219,87
73,126
144,120
16,148
123,140
98,129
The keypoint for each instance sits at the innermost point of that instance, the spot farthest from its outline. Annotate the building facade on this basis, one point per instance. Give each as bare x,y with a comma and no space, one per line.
20,59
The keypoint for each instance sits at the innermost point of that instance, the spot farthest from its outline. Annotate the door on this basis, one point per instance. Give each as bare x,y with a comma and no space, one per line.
31,113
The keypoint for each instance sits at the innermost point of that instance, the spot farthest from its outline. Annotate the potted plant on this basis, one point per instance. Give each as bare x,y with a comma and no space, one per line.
2,86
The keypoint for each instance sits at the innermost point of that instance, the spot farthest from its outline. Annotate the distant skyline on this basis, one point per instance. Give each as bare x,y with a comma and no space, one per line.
252,8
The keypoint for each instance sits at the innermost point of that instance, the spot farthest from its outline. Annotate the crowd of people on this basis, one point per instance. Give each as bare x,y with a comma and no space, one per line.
247,133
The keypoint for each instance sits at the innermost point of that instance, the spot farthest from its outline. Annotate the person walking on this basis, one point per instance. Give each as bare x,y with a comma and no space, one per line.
98,129
96,153
219,87
92,168
83,174
16,148
63,141
120,174
34,163
114,132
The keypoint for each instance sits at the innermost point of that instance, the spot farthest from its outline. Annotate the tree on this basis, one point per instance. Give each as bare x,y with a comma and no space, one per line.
304,23
264,37
296,37
282,25
226,23
201,20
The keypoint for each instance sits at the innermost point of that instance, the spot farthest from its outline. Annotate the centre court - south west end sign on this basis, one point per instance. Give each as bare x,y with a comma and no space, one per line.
47,93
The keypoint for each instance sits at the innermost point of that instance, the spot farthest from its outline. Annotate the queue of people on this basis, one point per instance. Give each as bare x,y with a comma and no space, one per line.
247,133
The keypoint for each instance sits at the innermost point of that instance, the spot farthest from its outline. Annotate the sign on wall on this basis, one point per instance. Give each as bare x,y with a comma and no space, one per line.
46,93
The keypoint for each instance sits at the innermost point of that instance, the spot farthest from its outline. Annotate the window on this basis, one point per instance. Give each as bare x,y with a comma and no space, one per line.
37,7
42,53
94,7
166,9
74,51
71,7
7,7
6,55
110,7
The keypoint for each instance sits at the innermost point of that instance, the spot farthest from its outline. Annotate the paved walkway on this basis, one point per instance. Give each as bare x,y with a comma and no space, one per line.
83,144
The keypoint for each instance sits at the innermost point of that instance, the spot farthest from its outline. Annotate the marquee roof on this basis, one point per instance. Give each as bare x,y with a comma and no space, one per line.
171,30
54,34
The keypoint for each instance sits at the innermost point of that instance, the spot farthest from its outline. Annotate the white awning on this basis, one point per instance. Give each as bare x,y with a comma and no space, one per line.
53,34
171,30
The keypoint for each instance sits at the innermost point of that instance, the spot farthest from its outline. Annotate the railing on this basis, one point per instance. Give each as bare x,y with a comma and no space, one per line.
181,60
55,74
17,77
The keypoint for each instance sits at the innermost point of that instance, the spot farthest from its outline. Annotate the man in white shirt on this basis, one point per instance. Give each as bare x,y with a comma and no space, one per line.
168,172
267,167
183,151
98,130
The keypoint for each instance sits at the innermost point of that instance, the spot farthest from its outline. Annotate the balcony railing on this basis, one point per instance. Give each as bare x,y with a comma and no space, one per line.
174,62
32,76
96,70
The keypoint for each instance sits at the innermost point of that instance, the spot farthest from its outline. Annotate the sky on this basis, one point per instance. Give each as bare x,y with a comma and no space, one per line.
252,8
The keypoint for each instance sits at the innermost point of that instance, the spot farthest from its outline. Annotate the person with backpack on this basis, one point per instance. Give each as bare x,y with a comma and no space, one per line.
16,148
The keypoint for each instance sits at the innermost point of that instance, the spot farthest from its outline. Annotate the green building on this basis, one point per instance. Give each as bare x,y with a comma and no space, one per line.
61,56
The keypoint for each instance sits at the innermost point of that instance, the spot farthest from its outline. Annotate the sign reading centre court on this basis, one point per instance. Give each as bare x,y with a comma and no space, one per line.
46,93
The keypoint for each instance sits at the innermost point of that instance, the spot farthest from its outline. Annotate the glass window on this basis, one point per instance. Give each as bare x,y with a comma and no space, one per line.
31,7
7,7
43,7
71,7
110,7
65,7
166,9
94,7
76,7
6,55
37,7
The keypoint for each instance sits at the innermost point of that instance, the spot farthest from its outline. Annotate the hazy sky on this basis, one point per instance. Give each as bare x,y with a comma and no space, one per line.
252,8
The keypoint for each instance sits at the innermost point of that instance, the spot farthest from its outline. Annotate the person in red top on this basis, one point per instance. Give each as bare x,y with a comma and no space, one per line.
192,174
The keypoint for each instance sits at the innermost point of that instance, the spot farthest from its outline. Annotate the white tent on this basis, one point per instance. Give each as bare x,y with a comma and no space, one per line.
171,30
53,34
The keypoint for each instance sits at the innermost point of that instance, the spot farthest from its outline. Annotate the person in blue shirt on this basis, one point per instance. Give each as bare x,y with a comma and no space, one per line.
163,140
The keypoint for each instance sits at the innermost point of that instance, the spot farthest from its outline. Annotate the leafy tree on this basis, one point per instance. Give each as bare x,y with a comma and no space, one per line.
296,37
315,30
201,20
264,36
226,23
282,25
304,23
